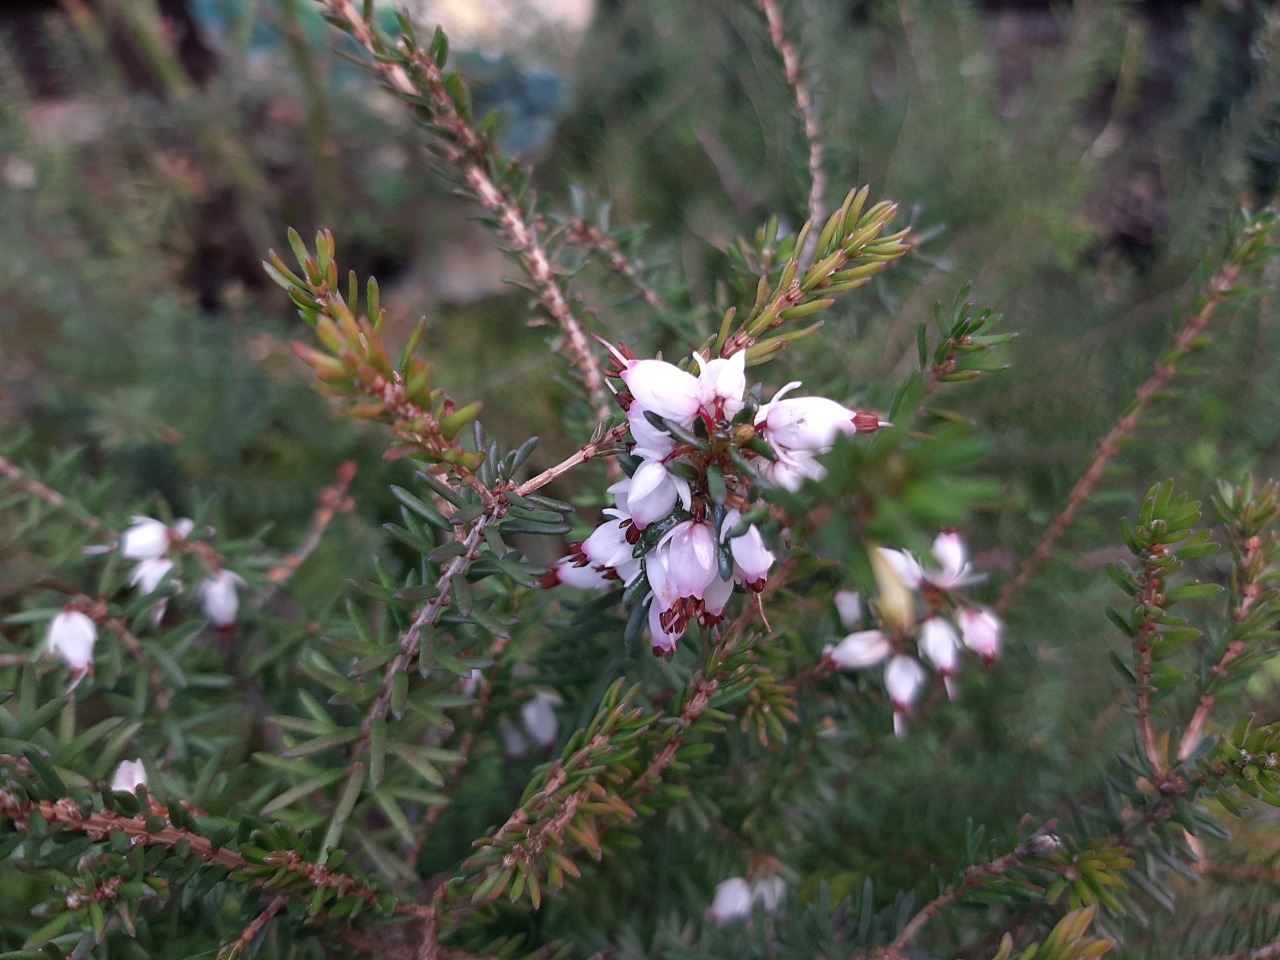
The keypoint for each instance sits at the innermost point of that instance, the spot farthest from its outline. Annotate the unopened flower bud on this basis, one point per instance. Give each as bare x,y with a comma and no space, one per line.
897,575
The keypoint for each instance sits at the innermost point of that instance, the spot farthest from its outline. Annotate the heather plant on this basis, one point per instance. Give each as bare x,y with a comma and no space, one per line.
722,671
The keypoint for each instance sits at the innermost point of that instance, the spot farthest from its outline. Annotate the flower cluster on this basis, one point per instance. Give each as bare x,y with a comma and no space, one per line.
950,624
699,443
153,545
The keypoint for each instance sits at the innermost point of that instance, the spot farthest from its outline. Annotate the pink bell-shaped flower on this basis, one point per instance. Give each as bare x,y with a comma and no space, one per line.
128,776
980,630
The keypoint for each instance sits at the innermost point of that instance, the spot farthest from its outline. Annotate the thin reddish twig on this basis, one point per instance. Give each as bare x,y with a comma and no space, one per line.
1219,288
334,500
583,234
52,497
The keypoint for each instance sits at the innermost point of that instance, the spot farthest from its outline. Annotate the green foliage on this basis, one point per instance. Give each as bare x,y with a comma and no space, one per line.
398,744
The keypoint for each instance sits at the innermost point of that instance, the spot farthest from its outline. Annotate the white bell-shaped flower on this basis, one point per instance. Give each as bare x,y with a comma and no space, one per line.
538,716
804,424
859,650
651,492
219,597
940,645
692,559
953,557
848,608
148,574
904,678
71,636
147,539
751,559
664,388
733,900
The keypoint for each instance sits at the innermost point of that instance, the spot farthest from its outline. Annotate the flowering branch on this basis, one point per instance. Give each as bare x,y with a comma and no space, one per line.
419,77
1250,247
808,111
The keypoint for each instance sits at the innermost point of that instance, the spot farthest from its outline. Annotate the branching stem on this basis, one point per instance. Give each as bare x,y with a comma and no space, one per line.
808,111
1217,292
462,145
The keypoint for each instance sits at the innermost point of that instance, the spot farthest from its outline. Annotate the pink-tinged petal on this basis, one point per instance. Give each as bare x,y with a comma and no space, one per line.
182,527
692,557
71,636
859,650
128,776
607,546
980,630
791,469
664,388
751,559
651,443
953,557
664,642
716,597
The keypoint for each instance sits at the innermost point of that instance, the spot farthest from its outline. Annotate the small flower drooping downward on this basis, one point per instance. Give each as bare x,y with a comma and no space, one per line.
71,636
904,678
941,647
859,650
980,630
218,594
147,539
